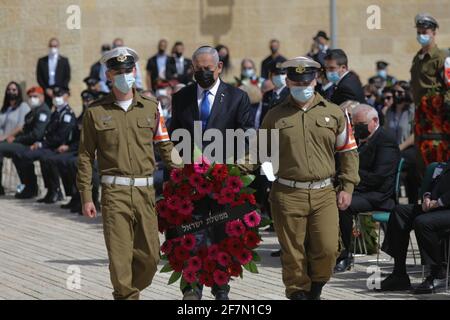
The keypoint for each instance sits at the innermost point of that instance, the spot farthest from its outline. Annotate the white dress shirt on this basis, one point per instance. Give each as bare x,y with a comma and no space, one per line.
179,62
161,61
211,96
52,64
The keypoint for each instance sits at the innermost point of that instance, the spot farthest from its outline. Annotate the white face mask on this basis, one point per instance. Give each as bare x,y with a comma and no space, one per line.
54,51
58,101
34,102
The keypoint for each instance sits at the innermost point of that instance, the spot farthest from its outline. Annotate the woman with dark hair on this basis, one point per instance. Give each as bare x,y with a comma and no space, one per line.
224,56
12,114
400,121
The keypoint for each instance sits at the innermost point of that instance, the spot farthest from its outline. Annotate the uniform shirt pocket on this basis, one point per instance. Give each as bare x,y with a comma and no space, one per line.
107,133
145,129
327,123
288,130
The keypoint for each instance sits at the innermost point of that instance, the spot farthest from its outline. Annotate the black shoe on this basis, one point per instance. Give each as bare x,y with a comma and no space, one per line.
45,199
27,193
344,265
2,191
70,204
316,290
429,285
76,208
299,295
276,253
221,295
395,282
54,196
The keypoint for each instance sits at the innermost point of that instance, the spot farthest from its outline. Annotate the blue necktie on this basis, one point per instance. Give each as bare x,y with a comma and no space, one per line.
205,109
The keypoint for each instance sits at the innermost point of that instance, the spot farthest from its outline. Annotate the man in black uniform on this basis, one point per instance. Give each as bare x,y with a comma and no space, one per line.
33,129
66,162
57,134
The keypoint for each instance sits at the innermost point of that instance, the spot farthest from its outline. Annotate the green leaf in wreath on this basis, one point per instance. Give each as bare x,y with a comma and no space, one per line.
247,190
256,257
252,267
174,277
183,284
247,180
166,268
234,171
264,222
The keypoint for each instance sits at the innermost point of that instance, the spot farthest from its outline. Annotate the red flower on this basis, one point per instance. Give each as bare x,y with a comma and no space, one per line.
244,257
195,179
223,259
234,228
213,250
176,175
235,246
437,101
176,264
209,264
220,172
205,187
181,253
235,269
226,196
168,190
185,190
186,207
202,165
172,217
202,252
162,225
195,263
189,275
188,242
252,219
162,208
221,278
174,202
188,170
234,183
251,239
206,279
167,247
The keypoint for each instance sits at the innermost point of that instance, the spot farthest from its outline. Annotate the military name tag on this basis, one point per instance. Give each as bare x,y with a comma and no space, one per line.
42,117
67,118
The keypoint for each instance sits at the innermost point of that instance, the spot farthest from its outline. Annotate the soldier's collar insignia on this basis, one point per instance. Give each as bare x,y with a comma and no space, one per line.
300,69
122,58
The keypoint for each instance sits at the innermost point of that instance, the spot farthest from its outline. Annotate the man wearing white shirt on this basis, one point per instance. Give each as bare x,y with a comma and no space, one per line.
179,68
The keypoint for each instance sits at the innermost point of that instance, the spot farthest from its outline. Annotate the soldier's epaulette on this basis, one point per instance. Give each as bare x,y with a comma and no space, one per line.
98,102
148,98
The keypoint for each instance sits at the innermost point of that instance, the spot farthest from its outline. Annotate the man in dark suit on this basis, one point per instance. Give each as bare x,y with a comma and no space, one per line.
428,221
157,66
212,104
347,84
179,68
95,68
319,48
274,57
378,161
52,71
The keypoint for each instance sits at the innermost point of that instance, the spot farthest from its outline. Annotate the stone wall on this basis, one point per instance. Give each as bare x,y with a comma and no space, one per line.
245,26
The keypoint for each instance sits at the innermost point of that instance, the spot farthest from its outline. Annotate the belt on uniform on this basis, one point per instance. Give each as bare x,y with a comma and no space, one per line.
305,185
125,181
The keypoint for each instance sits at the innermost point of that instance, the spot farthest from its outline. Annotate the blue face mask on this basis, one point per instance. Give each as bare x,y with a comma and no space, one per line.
124,82
333,76
382,73
302,94
248,73
423,39
279,80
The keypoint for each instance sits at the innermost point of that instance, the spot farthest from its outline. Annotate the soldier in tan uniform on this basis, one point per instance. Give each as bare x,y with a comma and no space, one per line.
120,130
303,200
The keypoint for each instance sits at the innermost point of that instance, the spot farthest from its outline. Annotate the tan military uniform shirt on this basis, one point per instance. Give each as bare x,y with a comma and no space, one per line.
427,73
309,140
121,141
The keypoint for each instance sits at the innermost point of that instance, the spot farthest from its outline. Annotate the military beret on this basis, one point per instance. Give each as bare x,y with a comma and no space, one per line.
322,34
275,67
120,58
37,90
90,81
425,20
60,91
301,69
382,64
87,95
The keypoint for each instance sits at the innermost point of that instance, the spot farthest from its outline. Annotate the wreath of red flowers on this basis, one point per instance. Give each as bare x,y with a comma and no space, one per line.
216,263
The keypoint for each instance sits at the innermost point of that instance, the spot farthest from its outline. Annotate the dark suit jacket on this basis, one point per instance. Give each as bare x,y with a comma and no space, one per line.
172,73
265,65
378,164
349,88
62,75
440,186
230,110
270,100
152,67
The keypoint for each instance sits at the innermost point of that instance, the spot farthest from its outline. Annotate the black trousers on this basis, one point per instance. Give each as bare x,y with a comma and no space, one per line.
9,150
67,167
25,167
426,225
412,178
359,204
